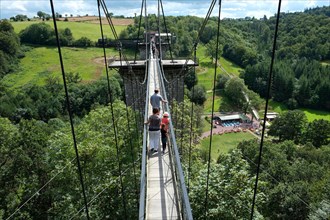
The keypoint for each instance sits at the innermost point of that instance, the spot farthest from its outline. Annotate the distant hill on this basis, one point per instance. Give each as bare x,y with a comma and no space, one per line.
95,20
84,26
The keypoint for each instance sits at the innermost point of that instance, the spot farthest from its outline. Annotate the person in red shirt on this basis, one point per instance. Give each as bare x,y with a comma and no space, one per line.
166,120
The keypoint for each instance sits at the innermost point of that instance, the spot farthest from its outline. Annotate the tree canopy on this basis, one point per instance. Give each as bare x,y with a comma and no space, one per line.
289,125
9,48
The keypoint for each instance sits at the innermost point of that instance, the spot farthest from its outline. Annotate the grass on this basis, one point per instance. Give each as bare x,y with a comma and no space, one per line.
276,106
230,67
205,75
41,62
316,114
78,29
205,70
221,144
325,62
208,103
311,114
206,124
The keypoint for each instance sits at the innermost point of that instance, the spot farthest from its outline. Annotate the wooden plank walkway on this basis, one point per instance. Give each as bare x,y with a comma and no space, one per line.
161,202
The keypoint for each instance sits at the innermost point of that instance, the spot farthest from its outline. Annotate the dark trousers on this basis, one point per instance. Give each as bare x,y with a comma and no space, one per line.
164,140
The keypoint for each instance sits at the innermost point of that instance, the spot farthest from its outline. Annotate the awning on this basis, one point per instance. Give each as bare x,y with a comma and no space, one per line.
230,117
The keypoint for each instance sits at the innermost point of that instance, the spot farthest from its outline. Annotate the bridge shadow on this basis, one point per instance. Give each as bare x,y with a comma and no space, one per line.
164,209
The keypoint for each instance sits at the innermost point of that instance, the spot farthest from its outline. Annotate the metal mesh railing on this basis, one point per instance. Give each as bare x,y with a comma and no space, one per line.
143,180
178,178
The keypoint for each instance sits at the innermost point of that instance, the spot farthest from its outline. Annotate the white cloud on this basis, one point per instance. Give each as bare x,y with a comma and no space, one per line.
230,8
15,5
311,3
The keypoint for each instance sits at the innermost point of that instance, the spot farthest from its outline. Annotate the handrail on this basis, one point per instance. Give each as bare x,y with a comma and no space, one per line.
187,214
142,202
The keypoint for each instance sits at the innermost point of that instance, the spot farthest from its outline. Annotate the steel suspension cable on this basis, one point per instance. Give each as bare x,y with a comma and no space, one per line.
137,133
197,38
160,45
109,19
69,111
181,126
112,27
113,30
37,192
179,170
41,188
159,38
112,113
132,154
201,30
270,75
138,35
191,123
212,115
278,181
168,41
97,195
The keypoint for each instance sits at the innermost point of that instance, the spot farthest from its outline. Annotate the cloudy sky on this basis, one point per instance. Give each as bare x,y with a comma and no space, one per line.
230,8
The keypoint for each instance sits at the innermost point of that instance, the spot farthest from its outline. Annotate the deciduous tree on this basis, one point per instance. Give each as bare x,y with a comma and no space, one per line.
289,126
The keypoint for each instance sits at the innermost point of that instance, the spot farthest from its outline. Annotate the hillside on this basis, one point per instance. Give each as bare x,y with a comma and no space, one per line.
80,26
95,20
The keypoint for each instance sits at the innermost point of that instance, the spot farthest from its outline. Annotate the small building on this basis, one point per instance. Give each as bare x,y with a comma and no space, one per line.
271,116
232,120
235,117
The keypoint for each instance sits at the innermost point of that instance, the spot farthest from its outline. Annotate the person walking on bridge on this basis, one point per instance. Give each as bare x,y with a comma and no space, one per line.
154,129
155,100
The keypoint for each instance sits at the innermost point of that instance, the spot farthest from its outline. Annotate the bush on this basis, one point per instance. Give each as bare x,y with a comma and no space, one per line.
39,33
198,94
83,42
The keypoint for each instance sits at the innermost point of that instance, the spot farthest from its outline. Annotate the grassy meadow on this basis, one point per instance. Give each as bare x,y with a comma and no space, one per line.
78,29
205,71
41,62
325,62
221,144
311,114
205,75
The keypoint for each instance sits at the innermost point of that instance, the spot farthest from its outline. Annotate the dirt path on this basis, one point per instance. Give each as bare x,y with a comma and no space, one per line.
100,60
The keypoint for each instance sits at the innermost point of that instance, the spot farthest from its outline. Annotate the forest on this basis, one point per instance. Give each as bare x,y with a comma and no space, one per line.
39,178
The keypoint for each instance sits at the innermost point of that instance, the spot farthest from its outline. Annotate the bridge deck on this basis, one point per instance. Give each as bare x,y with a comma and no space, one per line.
161,199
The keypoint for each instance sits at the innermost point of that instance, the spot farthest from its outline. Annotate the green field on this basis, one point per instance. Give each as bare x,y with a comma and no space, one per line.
316,114
205,75
41,62
205,71
311,114
230,67
78,29
221,144
206,124
208,103
276,106
326,62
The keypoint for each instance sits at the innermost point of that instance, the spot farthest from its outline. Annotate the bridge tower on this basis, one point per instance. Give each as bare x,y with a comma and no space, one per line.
134,73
